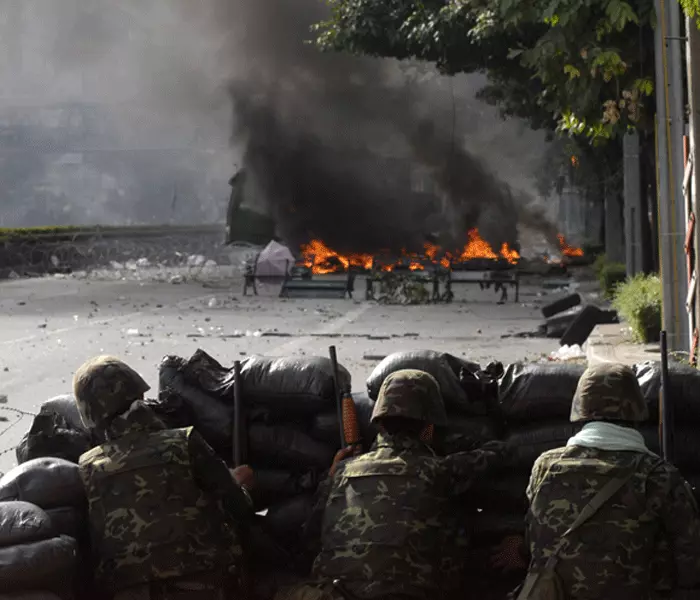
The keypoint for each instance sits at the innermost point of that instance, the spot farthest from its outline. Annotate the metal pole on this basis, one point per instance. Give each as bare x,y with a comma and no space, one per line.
693,63
237,416
676,116
667,414
670,238
632,192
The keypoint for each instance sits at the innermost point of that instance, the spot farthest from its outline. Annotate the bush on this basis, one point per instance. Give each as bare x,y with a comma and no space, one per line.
611,276
638,301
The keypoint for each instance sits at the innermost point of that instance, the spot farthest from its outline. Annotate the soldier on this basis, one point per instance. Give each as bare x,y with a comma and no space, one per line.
388,518
165,513
604,510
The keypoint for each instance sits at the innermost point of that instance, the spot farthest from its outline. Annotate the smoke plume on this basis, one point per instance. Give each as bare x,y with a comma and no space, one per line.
365,154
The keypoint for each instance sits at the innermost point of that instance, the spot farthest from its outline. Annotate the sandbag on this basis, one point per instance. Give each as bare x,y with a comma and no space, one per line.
273,485
685,389
686,446
283,446
65,406
201,371
495,526
505,493
444,367
46,564
528,442
69,521
46,482
209,415
51,435
286,519
30,596
464,433
22,522
538,391
325,425
291,384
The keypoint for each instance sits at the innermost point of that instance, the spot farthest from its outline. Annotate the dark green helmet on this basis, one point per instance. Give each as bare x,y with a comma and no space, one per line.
411,394
105,387
609,392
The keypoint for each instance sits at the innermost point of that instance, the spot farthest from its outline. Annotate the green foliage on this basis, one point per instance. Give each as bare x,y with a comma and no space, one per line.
599,264
638,301
692,9
611,275
583,67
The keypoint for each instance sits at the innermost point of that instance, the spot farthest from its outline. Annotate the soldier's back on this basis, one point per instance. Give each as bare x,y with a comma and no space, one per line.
613,553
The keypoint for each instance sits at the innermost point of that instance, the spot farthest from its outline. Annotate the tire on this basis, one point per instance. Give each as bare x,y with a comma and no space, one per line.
554,308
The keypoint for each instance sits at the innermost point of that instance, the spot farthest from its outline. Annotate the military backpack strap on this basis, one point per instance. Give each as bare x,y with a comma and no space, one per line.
606,493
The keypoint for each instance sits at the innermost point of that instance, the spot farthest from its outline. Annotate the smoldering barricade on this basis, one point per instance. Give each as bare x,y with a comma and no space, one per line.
292,432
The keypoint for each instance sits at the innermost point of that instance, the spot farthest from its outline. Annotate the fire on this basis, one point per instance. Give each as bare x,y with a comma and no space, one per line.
567,250
321,259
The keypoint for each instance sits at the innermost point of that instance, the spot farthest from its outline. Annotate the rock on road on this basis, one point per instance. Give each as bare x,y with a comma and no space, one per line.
49,326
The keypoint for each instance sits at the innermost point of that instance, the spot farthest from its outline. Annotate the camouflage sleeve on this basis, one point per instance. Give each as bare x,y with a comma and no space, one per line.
536,475
681,523
463,468
212,475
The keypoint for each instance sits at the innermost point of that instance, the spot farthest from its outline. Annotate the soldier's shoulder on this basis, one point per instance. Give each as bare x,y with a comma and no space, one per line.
550,456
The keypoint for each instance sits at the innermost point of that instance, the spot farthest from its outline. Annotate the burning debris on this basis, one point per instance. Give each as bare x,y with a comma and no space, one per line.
321,259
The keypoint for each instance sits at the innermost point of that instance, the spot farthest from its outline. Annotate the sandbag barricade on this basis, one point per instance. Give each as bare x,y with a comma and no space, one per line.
33,557
54,485
463,384
291,431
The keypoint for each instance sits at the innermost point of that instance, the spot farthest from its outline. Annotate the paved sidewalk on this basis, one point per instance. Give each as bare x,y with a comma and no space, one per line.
613,343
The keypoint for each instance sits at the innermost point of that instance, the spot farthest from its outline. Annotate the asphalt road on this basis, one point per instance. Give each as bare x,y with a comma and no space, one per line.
49,326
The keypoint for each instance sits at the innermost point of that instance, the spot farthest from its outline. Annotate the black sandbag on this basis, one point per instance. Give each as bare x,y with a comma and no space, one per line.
686,446
201,371
528,442
504,493
30,596
22,522
273,485
286,519
69,521
46,482
494,526
464,433
444,367
209,415
171,409
46,564
685,389
264,549
65,406
533,391
51,435
286,447
325,425
302,385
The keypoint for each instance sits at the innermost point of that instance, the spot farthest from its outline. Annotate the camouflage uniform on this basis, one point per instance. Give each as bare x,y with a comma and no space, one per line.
387,517
620,551
163,508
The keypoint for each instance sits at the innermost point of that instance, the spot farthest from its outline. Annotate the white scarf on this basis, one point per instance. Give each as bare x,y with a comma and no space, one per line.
608,436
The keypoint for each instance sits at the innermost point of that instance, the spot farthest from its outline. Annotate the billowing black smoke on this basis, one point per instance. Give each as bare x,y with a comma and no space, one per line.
334,142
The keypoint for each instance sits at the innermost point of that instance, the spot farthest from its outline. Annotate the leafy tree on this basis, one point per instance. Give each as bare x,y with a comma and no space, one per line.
587,64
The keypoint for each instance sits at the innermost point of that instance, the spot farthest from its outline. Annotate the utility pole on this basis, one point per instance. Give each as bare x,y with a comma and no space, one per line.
692,180
633,212
672,212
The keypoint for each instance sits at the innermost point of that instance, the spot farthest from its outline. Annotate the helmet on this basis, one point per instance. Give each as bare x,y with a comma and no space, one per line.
104,387
609,392
411,394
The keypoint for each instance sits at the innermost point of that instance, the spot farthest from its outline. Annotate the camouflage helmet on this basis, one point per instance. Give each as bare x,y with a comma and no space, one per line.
609,392
411,394
104,387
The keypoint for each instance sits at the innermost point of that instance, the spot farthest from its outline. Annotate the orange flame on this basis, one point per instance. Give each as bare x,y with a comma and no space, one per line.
321,259
567,250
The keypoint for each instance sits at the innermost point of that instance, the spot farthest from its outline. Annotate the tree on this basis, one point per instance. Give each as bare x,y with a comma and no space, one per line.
586,64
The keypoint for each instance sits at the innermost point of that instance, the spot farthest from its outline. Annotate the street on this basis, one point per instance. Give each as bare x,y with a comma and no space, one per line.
49,326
